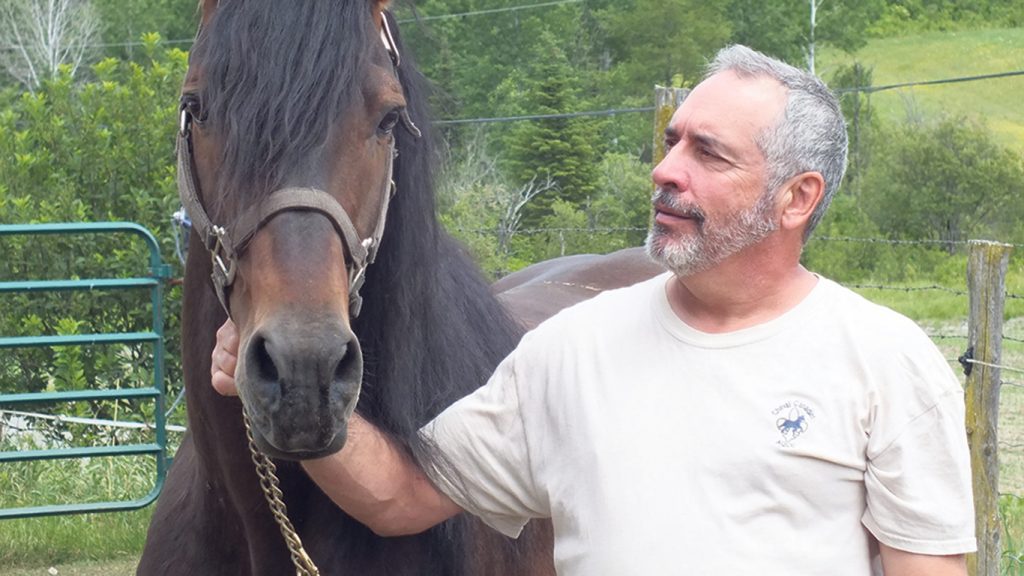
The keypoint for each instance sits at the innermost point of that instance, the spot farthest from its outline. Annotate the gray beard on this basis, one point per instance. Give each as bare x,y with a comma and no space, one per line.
689,254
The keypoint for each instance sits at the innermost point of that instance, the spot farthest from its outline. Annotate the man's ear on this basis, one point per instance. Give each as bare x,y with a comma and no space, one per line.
800,196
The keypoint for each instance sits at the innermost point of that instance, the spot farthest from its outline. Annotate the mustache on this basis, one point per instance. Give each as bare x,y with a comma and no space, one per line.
673,202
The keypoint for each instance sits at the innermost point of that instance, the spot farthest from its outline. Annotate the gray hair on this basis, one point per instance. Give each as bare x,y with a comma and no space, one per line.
810,136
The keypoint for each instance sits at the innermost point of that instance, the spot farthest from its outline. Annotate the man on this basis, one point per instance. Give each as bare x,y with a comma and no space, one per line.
737,415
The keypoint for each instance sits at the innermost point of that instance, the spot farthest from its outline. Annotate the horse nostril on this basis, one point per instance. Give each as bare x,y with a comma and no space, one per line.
349,368
340,371
263,361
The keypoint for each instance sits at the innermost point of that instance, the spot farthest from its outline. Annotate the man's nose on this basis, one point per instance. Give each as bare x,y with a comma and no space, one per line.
671,172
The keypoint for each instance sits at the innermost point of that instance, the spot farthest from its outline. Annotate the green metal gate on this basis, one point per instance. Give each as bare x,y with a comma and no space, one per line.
158,274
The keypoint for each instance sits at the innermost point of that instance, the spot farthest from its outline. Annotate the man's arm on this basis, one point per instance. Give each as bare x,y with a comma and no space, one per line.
899,563
376,483
370,478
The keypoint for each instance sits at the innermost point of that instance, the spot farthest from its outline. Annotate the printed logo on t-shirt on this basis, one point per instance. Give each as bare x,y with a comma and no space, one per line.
793,418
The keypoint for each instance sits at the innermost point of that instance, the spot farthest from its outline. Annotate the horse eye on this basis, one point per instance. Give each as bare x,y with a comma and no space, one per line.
194,105
390,120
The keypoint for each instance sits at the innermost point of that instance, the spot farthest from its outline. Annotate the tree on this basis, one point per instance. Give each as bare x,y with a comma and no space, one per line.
850,82
793,29
946,181
841,23
563,150
124,23
653,41
43,35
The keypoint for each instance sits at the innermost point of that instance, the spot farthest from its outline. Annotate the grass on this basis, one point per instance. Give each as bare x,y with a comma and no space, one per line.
939,55
26,545
29,543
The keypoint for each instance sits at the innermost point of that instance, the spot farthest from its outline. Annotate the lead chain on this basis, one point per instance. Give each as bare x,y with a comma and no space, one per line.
267,472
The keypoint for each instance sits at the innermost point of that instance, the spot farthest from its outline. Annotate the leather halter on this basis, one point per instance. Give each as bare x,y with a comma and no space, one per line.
227,243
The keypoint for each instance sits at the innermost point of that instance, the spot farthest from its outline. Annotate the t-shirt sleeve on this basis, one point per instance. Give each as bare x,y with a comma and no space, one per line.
919,494
487,468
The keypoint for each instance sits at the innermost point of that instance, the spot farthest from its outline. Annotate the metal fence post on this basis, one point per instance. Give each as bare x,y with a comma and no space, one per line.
986,281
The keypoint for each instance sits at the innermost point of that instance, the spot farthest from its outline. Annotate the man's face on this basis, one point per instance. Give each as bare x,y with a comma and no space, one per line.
711,200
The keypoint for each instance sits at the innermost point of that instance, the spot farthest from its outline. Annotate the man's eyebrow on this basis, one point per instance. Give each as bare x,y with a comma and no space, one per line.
713,144
703,139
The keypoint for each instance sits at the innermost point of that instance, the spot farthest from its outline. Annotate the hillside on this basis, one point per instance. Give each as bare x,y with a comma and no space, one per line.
999,103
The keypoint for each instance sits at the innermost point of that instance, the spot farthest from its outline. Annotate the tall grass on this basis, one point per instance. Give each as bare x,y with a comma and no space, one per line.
53,540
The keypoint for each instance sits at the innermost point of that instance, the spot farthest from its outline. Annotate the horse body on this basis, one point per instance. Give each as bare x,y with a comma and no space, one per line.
537,292
303,96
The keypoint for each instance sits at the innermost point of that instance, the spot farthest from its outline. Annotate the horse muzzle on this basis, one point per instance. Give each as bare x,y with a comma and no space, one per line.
299,380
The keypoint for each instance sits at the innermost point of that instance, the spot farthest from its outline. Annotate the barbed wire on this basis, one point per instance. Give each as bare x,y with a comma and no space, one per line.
869,89
616,111
932,288
892,241
946,336
501,119
533,231
488,11
847,239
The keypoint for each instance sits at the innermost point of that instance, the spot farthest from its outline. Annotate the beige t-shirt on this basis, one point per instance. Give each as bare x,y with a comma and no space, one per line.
659,449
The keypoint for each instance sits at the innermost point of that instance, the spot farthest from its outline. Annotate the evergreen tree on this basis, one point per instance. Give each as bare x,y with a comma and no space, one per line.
566,150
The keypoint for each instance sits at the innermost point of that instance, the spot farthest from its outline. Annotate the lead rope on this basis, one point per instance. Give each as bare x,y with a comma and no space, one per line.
267,471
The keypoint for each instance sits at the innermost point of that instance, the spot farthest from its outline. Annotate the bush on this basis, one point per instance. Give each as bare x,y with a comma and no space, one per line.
102,150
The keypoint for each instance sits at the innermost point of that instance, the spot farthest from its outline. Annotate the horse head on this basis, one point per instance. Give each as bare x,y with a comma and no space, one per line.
285,166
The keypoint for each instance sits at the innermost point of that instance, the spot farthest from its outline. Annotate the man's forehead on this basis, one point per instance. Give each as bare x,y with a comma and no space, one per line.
727,103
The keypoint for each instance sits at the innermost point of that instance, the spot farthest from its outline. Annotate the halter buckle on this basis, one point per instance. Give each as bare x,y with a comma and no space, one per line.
219,252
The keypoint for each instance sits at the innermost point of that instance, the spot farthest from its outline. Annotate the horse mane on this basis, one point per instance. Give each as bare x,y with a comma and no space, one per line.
430,329
276,77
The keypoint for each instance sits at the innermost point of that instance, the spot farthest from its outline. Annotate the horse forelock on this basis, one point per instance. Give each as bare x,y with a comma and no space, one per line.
276,76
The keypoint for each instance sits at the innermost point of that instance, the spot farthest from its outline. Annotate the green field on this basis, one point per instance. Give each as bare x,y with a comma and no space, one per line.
998,103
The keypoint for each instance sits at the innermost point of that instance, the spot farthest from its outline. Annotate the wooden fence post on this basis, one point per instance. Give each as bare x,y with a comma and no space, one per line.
986,282
666,100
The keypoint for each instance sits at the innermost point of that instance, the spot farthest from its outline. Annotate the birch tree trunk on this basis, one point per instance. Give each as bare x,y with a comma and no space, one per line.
39,36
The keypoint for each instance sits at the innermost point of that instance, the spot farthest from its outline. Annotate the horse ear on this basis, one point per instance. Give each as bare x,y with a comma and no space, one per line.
378,7
206,10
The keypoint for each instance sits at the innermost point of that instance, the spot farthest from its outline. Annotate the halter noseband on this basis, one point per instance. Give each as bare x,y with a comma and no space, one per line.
226,244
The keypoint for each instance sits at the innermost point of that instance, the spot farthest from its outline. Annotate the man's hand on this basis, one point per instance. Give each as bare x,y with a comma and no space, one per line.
225,360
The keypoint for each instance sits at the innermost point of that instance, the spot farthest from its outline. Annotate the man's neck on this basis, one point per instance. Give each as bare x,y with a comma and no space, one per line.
738,294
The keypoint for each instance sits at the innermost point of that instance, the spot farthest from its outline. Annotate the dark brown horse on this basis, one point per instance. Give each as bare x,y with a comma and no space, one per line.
296,117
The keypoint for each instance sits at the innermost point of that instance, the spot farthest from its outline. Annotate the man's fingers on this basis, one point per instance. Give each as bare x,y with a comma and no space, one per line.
224,384
224,360
227,337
